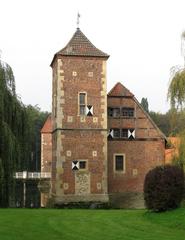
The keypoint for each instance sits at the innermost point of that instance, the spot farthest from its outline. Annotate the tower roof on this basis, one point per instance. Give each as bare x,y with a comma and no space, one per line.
119,91
79,45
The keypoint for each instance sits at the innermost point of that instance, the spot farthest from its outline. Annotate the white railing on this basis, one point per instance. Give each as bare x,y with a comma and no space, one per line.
32,175
45,175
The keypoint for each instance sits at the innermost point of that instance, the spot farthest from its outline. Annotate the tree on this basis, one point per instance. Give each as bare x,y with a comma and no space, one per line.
176,90
162,121
19,135
164,188
144,104
179,158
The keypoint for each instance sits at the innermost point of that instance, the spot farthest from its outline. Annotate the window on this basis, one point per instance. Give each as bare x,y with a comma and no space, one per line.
82,165
120,112
128,112
119,163
124,133
116,133
110,112
114,112
82,103
127,133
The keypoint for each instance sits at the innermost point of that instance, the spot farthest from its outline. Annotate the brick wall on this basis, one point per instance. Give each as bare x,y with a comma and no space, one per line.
141,153
78,137
46,152
140,157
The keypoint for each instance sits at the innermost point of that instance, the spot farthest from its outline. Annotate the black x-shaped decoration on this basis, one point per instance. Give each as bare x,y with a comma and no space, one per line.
75,165
111,133
89,110
131,133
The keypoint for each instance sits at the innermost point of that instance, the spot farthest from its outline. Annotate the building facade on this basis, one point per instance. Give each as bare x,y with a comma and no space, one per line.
135,145
102,145
79,116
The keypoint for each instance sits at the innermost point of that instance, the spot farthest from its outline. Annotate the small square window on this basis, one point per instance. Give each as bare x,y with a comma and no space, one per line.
116,112
116,133
124,133
128,112
82,165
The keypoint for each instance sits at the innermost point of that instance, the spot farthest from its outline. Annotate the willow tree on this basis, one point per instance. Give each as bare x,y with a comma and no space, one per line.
19,135
176,95
176,90
13,135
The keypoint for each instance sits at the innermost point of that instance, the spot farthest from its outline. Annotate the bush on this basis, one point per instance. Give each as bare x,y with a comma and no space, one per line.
164,188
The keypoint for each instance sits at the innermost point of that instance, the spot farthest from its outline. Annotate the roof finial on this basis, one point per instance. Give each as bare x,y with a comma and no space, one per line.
78,19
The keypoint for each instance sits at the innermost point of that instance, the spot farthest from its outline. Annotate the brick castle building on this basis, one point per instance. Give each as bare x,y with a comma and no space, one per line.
102,144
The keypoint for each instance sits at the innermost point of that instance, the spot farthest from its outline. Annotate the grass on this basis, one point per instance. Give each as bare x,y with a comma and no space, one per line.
55,224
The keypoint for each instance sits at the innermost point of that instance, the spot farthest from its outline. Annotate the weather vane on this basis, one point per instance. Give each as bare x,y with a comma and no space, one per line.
78,19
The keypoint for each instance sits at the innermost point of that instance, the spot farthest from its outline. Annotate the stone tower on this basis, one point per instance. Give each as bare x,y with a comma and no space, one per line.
79,116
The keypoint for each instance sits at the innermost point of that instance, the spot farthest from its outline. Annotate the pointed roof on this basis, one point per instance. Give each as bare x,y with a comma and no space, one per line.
79,45
119,91
47,127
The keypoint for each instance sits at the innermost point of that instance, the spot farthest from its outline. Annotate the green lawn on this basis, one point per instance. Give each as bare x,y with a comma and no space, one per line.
41,224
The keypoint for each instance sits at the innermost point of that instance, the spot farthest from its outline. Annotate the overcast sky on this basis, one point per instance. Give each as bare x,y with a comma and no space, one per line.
143,38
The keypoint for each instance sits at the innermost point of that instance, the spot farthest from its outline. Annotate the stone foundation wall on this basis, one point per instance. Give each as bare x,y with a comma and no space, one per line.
127,200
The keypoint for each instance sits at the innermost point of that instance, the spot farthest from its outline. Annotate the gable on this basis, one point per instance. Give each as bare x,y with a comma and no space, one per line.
119,91
119,99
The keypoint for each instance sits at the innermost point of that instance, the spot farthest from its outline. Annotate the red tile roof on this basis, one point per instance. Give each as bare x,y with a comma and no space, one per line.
119,91
47,127
79,45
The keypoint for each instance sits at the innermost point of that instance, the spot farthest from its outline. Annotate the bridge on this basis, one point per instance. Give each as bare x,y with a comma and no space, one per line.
42,179
32,175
